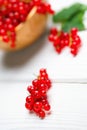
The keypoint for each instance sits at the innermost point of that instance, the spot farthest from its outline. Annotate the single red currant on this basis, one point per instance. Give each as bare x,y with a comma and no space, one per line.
46,107
30,99
43,87
53,31
42,70
74,31
35,83
44,101
58,49
37,106
6,38
28,106
45,75
41,114
51,37
31,89
74,51
43,92
2,32
56,41
37,94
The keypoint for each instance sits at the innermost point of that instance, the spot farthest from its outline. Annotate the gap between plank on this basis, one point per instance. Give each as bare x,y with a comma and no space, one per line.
74,81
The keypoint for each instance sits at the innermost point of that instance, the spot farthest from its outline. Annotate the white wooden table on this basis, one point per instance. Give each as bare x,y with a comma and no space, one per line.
68,95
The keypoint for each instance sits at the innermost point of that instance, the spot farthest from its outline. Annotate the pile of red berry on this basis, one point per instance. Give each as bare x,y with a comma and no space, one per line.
37,101
62,39
42,7
13,12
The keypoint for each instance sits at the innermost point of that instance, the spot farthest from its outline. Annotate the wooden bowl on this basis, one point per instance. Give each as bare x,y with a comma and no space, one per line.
27,32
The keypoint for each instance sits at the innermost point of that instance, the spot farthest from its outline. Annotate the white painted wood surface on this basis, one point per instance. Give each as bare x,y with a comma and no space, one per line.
68,101
68,95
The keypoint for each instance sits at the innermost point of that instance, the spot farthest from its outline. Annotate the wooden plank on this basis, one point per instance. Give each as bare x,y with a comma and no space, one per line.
68,101
24,65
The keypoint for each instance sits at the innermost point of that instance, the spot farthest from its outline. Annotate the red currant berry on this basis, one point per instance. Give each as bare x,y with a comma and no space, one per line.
30,99
43,93
58,49
74,31
42,70
1,24
46,107
11,27
37,2
56,41
1,2
37,106
77,40
16,15
5,38
41,114
51,37
51,11
4,11
43,87
11,15
66,42
44,101
13,45
75,44
2,32
15,22
31,89
53,31
8,21
37,94
45,75
65,35
9,6
41,9
15,7
42,80
74,51
28,106
62,44
22,18
48,83
35,83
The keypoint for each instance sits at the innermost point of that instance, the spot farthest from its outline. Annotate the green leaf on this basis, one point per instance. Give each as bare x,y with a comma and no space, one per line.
69,12
76,21
78,17
83,7
68,25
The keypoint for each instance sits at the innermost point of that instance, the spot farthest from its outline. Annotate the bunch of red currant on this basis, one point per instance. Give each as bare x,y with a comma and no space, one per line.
42,7
13,12
62,39
37,100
